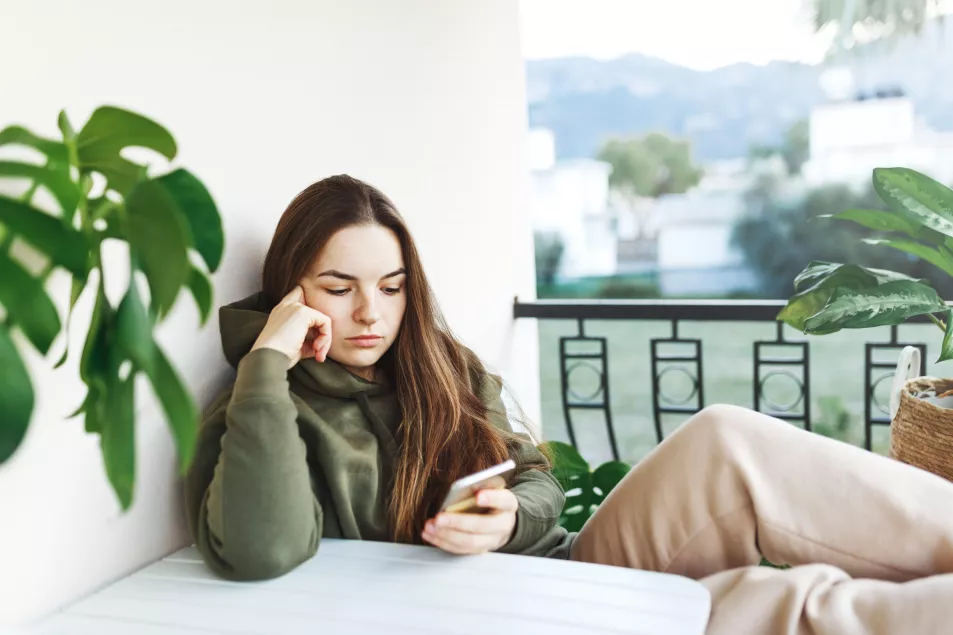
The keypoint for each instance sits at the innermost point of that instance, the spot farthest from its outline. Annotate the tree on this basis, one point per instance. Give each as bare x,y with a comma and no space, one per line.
648,167
859,21
778,237
795,148
549,247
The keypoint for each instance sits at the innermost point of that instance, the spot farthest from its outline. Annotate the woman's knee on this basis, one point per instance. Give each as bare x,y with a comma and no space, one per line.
726,429
716,421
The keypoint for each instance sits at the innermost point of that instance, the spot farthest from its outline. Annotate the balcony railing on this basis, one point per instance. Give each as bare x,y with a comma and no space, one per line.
689,341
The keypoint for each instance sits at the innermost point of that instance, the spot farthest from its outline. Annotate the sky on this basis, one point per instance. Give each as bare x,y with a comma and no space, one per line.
701,34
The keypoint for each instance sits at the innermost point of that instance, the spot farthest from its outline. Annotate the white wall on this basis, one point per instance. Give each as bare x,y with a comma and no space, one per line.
571,198
854,124
423,98
929,152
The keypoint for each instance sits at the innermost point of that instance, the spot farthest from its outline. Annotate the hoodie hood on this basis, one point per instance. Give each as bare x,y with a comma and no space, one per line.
241,323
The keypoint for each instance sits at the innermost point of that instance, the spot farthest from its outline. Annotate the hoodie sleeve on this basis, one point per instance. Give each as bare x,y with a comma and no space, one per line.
250,505
541,498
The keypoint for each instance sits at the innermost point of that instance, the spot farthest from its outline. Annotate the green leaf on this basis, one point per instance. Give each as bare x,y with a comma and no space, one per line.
110,130
16,396
66,128
94,357
65,246
180,409
27,304
568,464
55,151
576,478
933,256
94,407
76,289
57,181
607,476
574,522
836,274
201,288
197,207
121,174
82,407
887,304
158,234
62,360
893,221
100,207
134,329
118,439
94,363
813,273
579,502
906,190
806,305
946,348
818,282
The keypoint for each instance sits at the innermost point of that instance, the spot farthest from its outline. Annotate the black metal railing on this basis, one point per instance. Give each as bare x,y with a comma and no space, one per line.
780,356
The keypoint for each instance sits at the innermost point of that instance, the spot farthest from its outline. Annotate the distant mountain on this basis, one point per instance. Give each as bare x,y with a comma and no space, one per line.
723,111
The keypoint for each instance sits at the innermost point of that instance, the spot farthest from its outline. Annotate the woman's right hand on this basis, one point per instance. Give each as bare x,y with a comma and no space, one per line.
296,330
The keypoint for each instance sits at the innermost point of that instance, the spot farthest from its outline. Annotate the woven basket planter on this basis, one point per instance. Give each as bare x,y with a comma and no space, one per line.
921,433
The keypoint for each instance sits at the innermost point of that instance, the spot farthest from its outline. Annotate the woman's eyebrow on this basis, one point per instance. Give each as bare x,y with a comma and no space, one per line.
346,276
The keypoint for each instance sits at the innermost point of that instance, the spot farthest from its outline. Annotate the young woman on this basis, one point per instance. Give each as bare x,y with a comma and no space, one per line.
355,408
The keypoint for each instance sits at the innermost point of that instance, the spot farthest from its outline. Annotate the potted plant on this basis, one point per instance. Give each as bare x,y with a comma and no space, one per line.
174,234
833,296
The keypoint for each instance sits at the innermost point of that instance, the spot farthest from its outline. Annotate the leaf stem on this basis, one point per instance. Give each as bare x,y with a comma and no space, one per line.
940,323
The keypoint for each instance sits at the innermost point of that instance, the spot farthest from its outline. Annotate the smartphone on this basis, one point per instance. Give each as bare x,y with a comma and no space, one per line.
462,495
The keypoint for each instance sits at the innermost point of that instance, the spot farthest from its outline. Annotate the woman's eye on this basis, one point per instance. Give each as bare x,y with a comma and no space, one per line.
337,291
392,290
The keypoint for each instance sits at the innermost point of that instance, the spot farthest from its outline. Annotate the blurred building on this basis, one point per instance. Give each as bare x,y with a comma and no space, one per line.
851,137
695,252
570,198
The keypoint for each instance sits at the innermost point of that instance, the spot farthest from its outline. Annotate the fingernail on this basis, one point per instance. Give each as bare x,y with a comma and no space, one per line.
483,499
442,520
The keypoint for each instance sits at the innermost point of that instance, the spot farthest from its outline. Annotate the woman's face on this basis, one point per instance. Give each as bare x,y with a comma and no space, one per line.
358,281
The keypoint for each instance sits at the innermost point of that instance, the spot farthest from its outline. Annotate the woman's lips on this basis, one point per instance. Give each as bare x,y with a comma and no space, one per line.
365,341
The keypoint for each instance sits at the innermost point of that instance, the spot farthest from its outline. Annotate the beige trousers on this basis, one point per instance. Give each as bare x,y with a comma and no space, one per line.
870,539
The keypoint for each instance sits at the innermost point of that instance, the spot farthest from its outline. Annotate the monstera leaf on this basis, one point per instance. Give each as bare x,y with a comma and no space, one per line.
175,238
585,489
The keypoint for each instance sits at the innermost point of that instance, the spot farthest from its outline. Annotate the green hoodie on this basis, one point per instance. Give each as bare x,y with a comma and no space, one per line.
286,457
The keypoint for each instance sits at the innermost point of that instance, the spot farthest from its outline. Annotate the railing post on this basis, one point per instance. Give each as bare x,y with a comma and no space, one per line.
569,362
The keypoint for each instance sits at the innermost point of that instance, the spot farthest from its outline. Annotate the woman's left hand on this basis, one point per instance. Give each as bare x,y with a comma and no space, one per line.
476,533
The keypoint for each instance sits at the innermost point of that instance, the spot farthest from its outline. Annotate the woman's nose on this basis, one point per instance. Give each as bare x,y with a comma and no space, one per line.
368,312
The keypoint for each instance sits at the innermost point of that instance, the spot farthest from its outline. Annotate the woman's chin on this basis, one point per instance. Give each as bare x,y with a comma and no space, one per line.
357,359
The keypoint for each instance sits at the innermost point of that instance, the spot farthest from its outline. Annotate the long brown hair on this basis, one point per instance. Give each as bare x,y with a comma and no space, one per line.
446,430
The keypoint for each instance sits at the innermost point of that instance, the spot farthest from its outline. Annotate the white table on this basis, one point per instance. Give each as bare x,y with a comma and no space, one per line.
354,588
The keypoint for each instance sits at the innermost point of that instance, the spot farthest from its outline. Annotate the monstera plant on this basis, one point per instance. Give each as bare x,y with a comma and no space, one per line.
832,296
585,488
174,235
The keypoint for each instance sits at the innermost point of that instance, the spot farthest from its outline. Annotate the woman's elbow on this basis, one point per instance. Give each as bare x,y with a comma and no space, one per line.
265,562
